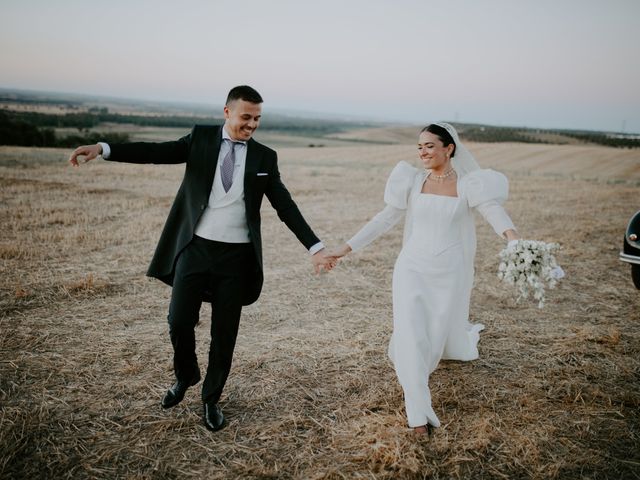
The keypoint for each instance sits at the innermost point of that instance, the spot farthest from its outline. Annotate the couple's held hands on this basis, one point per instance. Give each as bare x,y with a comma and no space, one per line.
85,153
327,259
320,261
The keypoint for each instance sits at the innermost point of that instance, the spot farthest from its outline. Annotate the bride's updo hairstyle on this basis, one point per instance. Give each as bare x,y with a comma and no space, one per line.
444,136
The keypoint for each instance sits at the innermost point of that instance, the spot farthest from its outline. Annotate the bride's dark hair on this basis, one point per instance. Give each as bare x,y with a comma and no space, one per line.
444,136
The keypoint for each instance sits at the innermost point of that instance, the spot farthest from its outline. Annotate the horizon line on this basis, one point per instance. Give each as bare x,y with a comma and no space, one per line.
314,114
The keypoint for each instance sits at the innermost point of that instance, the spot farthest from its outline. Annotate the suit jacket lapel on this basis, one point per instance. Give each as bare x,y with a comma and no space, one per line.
212,144
252,164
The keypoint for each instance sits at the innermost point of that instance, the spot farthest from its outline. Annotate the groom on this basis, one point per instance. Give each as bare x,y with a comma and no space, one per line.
210,248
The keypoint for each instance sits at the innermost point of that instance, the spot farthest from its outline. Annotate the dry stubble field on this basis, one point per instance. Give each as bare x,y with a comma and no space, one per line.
85,356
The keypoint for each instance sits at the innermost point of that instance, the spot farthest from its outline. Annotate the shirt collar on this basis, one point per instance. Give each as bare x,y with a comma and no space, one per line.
225,136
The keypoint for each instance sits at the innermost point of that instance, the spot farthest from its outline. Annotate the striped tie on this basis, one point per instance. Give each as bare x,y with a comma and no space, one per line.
228,163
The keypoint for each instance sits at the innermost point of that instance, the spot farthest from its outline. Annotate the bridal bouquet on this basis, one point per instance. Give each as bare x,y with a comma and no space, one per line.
531,267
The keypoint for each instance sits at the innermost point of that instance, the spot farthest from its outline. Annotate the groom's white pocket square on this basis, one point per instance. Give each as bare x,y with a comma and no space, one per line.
261,174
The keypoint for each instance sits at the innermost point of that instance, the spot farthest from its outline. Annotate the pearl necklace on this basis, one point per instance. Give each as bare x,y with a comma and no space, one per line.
440,178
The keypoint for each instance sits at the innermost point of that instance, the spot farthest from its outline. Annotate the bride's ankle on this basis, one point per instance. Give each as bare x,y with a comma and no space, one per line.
424,429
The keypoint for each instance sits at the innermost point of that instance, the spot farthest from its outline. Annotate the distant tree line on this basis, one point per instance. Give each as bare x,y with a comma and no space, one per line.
95,116
497,134
15,131
618,141
38,129
487,133
39,100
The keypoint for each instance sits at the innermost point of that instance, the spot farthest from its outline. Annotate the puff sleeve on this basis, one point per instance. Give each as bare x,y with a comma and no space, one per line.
396,196
484,185
486,191
398,188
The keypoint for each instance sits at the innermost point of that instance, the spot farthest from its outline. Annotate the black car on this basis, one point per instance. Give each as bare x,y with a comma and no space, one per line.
631,249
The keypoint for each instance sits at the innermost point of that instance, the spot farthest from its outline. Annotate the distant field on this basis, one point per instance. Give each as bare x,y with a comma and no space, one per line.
407,134
273,138
136,133
575,161
85,355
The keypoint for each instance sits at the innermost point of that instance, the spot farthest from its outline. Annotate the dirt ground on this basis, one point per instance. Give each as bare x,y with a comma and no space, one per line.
85,355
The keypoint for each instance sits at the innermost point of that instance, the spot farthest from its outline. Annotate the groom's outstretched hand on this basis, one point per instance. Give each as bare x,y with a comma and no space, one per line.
320,260
84,153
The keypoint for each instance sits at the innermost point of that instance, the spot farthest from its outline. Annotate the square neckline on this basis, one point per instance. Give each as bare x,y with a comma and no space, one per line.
436,194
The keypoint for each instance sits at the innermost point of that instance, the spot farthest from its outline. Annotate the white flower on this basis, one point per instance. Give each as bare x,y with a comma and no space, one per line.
531,267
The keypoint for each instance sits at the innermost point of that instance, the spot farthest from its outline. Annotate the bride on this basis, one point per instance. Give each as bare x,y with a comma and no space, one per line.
433,274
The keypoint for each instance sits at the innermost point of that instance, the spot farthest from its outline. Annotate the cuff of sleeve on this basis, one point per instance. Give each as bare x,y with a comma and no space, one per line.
503,226
316,248
106,151
353,243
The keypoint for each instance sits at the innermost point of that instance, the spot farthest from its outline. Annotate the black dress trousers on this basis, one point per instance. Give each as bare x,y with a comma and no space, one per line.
222,270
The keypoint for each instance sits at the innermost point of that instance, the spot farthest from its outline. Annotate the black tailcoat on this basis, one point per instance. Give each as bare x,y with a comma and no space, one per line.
199,151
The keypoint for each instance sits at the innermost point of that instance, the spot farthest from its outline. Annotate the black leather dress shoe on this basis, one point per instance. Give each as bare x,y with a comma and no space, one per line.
176,393
213,417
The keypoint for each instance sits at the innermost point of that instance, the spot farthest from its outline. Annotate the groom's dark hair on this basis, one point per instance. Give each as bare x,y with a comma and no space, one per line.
444,136
243,92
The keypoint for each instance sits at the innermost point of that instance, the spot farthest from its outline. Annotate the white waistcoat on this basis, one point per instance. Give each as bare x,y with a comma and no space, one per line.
225,217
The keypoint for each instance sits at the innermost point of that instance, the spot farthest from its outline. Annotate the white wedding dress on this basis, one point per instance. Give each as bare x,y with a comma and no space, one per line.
433,274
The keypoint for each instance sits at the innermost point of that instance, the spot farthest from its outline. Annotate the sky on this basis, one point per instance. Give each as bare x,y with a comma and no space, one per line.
537,63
